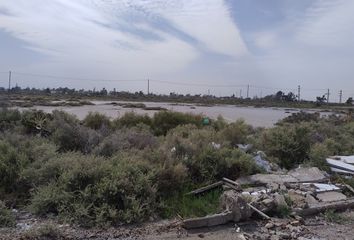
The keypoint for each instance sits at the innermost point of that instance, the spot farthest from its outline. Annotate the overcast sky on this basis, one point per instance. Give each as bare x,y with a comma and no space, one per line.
267,44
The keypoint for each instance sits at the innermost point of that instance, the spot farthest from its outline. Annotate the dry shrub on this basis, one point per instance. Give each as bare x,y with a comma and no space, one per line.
95,120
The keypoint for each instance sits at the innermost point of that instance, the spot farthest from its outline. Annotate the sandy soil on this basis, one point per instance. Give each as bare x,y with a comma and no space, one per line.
314,228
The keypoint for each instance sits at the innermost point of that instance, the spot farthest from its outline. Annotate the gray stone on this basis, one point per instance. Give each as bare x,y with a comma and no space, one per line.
331,196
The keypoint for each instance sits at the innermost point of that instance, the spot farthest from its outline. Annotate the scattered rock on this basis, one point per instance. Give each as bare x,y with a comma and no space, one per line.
331,196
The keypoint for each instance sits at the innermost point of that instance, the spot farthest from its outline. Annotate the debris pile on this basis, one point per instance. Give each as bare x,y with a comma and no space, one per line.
342,164
299,192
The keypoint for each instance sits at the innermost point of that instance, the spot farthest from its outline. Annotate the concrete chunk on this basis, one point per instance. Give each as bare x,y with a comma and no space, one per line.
312,174
331,196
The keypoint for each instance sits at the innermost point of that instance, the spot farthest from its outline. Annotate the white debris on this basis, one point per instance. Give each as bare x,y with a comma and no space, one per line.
321,187
345,159
216,145
340,165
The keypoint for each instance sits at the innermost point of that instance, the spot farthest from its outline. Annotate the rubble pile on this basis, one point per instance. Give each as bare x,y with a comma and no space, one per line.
299,192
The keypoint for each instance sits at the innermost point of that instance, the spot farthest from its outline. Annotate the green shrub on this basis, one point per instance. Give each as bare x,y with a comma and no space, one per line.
289,145
11,163
301,116
320,151
236,133
171,178
188,206
131,119
69,135
164,121
35,121
47,231
94,191
331,215
9,118
219,124
50,199
95,120
213,164
124,139
7,219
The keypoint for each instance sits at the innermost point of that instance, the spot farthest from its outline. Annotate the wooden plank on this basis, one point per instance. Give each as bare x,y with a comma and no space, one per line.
259,212
229,181
206,188
349,187
236,188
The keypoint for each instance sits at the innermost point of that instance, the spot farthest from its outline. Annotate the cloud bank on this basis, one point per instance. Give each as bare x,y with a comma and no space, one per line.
280,44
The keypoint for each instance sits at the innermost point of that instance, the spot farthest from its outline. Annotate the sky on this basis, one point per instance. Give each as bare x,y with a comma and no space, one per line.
183,46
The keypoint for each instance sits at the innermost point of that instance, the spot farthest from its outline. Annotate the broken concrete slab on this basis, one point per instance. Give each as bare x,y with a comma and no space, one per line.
312,174
345,159
279,200
208,221
235,208
297,198
309,199
340,171
234,202
264,179
331,196
299,175
322,187
323,206
340,165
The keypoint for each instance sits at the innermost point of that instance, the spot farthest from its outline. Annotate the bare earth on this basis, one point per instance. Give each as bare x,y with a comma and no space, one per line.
315,228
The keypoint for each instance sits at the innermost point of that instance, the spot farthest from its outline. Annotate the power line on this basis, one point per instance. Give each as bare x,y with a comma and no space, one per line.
180,83
78,79
195,84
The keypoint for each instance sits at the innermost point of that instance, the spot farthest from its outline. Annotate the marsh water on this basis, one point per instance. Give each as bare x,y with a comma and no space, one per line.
258,117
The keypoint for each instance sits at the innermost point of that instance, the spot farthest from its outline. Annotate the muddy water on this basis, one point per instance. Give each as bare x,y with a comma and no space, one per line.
258,117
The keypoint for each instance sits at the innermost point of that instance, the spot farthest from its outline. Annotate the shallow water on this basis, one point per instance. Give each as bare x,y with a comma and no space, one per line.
258,117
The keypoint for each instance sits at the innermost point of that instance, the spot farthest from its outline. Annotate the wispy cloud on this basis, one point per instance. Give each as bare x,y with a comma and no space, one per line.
274,43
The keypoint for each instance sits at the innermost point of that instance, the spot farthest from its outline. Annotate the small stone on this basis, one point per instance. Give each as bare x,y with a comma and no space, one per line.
201,235
269,225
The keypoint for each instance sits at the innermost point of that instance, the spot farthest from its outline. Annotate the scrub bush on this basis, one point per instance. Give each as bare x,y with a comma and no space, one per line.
236,132
131,119
164,121
11,164
9,118
7,219
90,191
124,139
69,135
288,145
95,120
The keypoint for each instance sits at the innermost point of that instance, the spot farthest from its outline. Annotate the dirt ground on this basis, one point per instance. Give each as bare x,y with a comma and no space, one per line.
314,228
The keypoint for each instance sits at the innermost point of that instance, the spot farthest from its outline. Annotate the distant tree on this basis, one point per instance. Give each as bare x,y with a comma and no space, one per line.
103,92
321,99
290,97
349,101
279,95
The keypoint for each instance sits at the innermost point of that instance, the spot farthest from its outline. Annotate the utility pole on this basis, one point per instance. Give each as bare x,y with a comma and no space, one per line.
328,95
248,90
340,96
148,86
298,93
9,81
